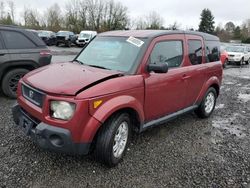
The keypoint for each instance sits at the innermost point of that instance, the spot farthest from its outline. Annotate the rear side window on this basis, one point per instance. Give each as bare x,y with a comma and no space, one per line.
212,51
170,52
16,40
195,51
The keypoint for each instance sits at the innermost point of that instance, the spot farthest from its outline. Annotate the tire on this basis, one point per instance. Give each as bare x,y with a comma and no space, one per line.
105,145
247,62
69,44
241,61
57,44
205,109
10,81
225,63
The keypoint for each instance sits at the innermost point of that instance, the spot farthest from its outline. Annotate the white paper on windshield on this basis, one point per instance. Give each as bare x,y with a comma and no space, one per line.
135,41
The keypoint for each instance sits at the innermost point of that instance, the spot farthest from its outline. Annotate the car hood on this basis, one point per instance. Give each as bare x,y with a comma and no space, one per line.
235,53
83,38
67,78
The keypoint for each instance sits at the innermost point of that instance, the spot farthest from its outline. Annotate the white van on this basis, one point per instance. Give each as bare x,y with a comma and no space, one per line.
84,37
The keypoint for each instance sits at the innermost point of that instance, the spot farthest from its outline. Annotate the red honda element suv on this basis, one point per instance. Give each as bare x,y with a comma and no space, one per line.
121,82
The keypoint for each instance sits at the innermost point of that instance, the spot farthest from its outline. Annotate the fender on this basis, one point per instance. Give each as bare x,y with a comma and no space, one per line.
23,64
212,81
115,104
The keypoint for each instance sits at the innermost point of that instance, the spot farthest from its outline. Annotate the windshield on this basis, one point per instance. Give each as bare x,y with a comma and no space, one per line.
84,35
63,33
235,49
43,34
113,53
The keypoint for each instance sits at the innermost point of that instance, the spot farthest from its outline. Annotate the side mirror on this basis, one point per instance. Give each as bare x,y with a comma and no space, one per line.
158,67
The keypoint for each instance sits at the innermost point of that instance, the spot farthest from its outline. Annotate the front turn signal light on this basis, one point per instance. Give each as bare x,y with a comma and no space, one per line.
97,103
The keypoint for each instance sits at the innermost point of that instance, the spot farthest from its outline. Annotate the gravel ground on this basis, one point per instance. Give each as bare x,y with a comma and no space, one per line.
186,152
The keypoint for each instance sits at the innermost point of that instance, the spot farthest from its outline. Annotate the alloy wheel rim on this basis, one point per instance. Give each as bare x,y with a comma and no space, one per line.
209,103
120,139
13,81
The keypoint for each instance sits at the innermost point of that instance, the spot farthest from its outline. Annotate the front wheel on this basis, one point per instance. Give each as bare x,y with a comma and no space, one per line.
241,62
10,81
68,44
207,105
113,139
225,63
248,61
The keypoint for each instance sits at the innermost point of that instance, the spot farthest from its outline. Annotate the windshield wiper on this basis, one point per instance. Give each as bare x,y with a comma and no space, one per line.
97,66
78,61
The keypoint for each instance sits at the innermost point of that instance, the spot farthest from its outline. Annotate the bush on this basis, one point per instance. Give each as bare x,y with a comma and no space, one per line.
247,40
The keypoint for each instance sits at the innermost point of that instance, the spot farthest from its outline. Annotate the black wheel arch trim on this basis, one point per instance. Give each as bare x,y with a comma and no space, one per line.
17,64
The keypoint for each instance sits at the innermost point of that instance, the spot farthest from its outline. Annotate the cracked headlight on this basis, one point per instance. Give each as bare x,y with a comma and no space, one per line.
62,110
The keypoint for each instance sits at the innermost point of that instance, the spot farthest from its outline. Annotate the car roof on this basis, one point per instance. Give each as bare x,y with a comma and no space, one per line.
156,33
86,31
28,33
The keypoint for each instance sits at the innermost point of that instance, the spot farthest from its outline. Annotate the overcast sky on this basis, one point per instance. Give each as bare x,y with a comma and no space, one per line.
185,12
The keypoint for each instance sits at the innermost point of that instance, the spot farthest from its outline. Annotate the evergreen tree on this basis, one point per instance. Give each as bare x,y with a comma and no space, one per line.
6,20
207,22
237,33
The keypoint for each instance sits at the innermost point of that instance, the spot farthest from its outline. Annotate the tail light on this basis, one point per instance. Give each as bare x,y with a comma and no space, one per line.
45,53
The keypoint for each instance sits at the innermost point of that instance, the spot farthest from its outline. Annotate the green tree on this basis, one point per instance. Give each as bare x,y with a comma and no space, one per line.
207,22
237,33
6,20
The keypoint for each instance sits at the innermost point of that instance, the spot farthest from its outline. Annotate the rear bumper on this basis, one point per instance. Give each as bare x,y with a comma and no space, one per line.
47,136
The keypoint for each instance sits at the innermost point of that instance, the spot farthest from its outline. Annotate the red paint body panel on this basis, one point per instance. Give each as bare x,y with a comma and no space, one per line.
115,85
223,57
76,125
65,78
151,95
128,99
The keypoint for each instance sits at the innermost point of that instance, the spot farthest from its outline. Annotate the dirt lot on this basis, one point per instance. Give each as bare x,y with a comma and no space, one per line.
186,152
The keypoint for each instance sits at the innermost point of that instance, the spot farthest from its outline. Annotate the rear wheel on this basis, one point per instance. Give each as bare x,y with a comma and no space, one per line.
113,139
10,81
248,61
207,105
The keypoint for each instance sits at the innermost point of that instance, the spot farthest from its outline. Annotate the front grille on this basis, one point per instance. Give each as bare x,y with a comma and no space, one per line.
231,55
33,95
81,40
60,38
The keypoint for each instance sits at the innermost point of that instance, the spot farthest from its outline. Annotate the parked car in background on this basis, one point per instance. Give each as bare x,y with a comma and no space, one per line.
224,57
85,37
123,81
33,31
238,54
49,37
20,52
66,38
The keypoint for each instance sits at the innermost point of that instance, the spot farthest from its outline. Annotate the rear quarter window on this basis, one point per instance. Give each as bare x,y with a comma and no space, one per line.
16,40
212,51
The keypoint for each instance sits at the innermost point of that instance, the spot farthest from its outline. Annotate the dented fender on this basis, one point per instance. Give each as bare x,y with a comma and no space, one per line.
110,106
